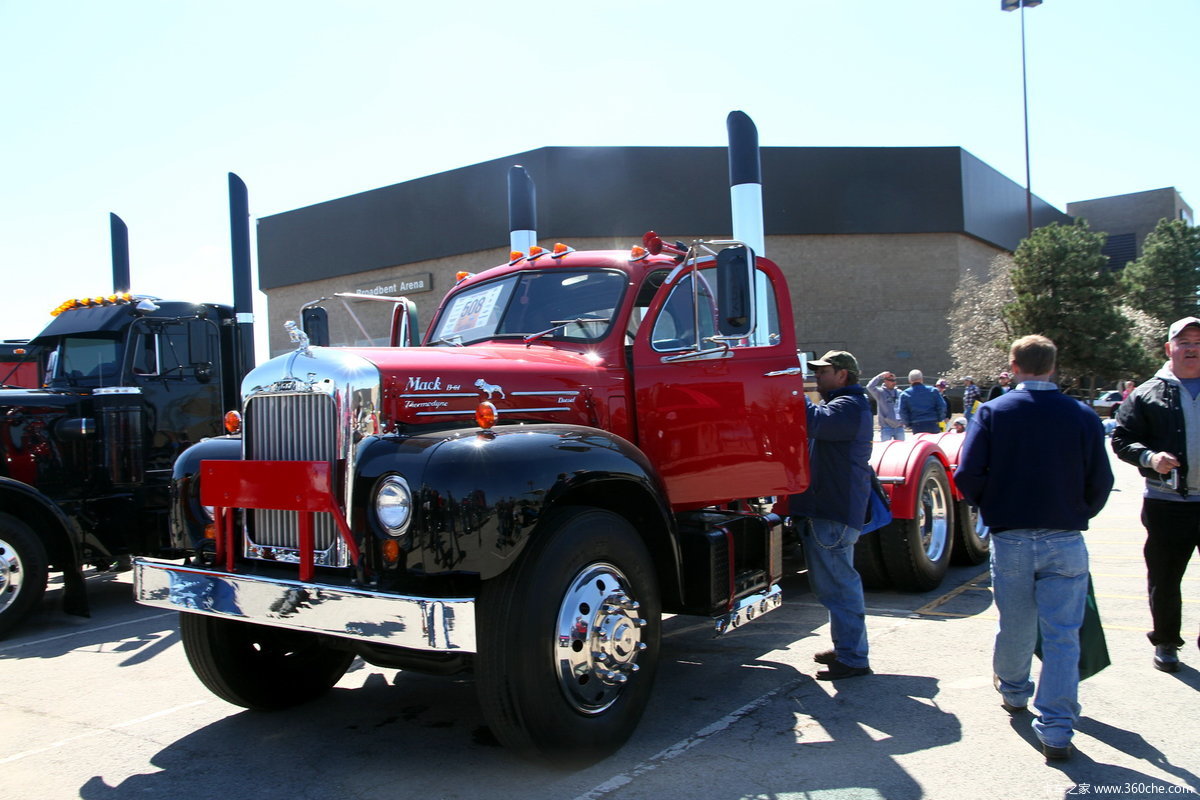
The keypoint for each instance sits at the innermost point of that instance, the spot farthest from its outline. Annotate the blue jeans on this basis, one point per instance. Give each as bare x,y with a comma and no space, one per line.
1039,578
887,432
829,551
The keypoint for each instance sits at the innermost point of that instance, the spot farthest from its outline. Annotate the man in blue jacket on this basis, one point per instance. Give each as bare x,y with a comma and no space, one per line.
921,408
1034,463
831,511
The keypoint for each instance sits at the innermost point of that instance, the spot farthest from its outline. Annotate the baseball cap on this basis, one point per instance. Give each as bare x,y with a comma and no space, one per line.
941,382
969,378
838,359
1178,325
1004,375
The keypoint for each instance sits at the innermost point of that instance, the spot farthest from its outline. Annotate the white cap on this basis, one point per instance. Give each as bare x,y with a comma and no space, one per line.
1178,325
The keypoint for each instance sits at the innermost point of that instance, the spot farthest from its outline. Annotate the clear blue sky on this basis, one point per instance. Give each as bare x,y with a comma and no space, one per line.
141,107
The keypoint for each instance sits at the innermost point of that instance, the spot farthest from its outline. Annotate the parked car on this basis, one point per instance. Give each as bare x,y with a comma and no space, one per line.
1106,402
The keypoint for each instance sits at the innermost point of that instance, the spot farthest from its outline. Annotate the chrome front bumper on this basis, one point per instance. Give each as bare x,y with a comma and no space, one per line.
417,623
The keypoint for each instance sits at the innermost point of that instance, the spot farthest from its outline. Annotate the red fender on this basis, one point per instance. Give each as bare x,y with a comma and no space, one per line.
898,466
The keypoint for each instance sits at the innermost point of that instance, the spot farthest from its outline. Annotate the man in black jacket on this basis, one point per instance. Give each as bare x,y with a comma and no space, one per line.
1158,429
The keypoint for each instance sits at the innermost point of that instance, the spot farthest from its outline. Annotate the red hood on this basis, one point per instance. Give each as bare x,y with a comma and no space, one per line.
423,385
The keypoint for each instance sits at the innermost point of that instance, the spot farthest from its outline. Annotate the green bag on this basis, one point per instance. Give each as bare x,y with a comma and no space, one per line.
1093,648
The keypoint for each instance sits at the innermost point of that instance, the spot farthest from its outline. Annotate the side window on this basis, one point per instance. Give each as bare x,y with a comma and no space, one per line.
144,352
675,328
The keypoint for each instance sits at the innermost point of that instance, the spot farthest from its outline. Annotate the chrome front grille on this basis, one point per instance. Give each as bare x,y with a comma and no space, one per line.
292,427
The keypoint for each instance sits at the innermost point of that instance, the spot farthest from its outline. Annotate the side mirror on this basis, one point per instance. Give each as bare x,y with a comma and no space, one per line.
735,281
314,320
198,332
405,332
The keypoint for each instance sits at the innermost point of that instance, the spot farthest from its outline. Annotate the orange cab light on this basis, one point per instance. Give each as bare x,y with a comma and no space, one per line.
561,250
98,301
485,415
462,275
536,250
210,531
19,351
391,550
637,253
515,256
233,422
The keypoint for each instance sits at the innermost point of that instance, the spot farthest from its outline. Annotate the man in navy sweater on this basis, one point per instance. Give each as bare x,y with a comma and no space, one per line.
1034,463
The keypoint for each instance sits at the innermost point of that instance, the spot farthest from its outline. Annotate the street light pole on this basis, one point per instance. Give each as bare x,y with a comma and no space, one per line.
1011,5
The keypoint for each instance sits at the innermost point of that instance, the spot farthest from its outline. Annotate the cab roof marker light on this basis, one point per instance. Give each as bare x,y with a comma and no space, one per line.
561,250
638,253
535,253
461,276
514,257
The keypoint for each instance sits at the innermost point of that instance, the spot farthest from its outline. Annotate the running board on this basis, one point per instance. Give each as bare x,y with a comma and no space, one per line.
749,608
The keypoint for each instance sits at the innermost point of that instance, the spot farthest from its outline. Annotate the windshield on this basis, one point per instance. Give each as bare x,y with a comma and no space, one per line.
88,359
572,305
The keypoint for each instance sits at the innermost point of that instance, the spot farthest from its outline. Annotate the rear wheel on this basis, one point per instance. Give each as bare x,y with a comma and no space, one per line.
260,667
569,639
868,560
971,541
23,571
917,551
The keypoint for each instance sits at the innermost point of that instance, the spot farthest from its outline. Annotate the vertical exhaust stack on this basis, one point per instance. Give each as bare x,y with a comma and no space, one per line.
522,210
745,182
243,295
119,235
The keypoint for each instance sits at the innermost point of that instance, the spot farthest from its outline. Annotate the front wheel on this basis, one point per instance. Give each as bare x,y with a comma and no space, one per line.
260,667
23,571
917,550
568,639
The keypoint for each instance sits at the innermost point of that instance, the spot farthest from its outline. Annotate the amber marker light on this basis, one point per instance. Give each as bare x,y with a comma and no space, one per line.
233,422
485,415
210,531
561,250
391,550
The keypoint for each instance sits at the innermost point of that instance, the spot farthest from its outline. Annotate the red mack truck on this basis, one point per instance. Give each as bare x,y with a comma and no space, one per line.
583,442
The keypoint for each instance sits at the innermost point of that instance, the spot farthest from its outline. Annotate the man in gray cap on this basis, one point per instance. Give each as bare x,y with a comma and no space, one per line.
1158,430
830,513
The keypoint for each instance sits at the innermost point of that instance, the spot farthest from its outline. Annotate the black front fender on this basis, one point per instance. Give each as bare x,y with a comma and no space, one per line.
480,494
188,517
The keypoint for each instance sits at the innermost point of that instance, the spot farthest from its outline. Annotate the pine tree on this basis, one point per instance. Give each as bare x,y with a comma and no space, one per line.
1064,291
1164,281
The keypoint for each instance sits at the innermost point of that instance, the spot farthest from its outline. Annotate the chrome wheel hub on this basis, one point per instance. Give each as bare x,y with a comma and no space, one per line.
933,517
598,638
11,575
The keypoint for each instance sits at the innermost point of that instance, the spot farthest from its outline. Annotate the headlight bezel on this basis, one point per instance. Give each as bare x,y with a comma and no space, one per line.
393,504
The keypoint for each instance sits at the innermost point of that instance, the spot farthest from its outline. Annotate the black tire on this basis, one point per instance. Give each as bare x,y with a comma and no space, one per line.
260,667
868,560
23,571
568,639
916,552
971,540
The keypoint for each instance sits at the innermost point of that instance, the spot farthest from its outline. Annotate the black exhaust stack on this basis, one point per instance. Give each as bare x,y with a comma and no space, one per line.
243,294
522,210
745,182
119,235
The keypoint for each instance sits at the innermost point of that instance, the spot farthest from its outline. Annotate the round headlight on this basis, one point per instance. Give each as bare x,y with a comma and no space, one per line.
393,504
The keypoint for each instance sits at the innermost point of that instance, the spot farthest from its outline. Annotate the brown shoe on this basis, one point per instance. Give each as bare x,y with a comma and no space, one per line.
826,657
1053,753
837,671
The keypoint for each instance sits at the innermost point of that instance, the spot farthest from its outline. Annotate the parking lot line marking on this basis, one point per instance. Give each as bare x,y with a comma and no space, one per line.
683,745
81,631
953,593
98,732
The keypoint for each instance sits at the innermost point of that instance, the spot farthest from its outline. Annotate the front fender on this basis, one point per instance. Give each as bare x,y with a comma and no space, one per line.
898,466
188,518
479,494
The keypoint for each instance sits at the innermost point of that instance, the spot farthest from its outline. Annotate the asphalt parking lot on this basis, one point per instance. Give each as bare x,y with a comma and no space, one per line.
108,708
